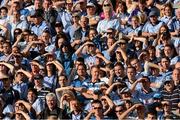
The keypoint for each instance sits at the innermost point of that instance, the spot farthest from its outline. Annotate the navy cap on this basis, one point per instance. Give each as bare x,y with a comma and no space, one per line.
153,13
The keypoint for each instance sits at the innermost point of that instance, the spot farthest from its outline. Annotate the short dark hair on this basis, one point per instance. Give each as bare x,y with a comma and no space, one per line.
4,8
33,90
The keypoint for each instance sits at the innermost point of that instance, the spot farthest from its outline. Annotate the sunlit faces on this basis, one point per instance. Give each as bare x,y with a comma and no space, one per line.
131,72
31,96
81,70
176,76
83,21
119,71
62,80
165,63
51,102
95,72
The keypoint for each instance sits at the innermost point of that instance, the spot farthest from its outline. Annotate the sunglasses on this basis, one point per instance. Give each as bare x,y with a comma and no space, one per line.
97,108
109,33
118,111
106,5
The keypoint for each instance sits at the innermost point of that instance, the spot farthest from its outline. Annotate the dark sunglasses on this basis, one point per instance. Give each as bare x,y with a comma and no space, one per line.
97,108
109,33
118,110
106,5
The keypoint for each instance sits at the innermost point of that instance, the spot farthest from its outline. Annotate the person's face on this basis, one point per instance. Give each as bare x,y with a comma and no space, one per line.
95,73
110,42
83,22
74,105
163,30
65,49
37,82
25,36
51,102
37,4
166,107
60,42
45,37
31,96
37,20
97,107
46,4
6,83
141,6
135,63
125,95
137,44
69,6
165,63
104,103
59,29
167,51
6,48
19,76
49,67
3,13
119,110
62,81
81,71
178,13
118,70
76,19
168,86
92,34
151,53
167,11
15,7
110,34
15,50
176,76
121,7
135,22
91,10
150,117
131,73
91,49
153,19
16,16
34,68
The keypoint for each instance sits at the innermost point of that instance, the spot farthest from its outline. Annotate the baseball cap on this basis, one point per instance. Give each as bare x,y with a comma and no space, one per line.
90,4
153,13
157,96
3,76
38,13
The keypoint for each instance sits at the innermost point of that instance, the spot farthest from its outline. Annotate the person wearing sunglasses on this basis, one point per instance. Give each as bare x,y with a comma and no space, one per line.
96,112
109,20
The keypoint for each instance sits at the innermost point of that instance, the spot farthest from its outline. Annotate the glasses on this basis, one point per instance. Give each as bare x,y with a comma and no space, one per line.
118,111
165,105
106,5
97,108
109,33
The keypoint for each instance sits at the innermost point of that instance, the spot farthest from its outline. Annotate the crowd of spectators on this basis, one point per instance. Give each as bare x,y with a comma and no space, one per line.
94,59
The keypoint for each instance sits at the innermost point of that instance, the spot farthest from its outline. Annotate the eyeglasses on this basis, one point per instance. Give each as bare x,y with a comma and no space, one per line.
106,5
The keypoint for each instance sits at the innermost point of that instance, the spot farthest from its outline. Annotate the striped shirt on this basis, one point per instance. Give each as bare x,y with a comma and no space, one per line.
173,97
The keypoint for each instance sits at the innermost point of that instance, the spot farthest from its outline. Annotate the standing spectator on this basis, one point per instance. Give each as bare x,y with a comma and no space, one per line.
39,24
